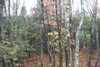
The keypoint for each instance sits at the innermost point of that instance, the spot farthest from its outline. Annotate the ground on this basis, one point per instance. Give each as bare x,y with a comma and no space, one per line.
35,60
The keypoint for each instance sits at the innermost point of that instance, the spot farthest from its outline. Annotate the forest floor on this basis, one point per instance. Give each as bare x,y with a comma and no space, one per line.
34,61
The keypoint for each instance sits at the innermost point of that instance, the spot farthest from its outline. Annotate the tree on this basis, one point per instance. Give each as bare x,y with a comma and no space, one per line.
1,21
77,35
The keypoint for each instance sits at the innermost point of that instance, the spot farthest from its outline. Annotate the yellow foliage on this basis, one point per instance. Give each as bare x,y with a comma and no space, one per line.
63,29
70,12
50,33
97,17
56,33
50,42
54,23
57,42
56,37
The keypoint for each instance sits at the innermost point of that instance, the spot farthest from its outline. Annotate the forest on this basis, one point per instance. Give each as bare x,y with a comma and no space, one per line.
56,33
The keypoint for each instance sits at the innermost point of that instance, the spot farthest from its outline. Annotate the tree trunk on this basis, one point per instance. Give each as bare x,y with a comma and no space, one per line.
9,28
68,49
29,54
97,42
1,21
1,17
12,63
41,55
93,34
3,63
41,33
59,33
77,35
66,55
54,63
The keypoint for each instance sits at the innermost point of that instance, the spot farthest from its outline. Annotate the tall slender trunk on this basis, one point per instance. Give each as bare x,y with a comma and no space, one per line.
41,31
93,34
54,61
77,36
59,28
70,24
66,55
53,39
67,40
98,60
59,33
68,50
1,21
91,47
47,40
97,43
41,55
1,17
9,28
97,40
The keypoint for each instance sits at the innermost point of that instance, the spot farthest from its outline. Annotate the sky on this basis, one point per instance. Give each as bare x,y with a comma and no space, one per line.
29,4
32,3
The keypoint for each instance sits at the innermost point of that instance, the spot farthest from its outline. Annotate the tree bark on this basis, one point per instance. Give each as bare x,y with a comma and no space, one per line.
68,20
59,33
41,32
97,39
93,34
77,36
3,63
1,16
97,42
1,21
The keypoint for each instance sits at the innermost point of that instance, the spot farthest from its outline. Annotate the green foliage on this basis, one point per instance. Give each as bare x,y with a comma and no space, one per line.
20,39
88,36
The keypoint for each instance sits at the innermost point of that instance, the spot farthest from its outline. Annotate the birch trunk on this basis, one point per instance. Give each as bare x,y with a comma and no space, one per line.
77,36
68,50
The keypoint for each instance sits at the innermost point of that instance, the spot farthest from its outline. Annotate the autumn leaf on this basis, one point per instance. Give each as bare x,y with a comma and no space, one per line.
50,33
56,33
